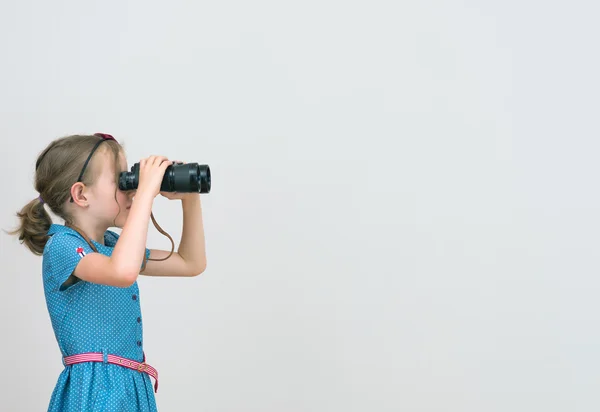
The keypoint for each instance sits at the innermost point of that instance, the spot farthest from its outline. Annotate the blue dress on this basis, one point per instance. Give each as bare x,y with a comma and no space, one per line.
88,317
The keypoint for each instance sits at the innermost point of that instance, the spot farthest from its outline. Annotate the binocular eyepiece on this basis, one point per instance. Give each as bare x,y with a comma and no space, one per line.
181,178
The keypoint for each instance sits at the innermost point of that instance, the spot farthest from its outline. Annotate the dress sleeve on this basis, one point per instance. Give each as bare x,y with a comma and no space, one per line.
63,252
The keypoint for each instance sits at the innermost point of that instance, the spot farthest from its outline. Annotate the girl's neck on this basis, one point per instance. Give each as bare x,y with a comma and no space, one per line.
89,231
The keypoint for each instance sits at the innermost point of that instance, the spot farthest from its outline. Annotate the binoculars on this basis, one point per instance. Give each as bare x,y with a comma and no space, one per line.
181,178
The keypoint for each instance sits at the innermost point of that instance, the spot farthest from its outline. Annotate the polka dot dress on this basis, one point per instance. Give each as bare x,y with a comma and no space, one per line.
87,317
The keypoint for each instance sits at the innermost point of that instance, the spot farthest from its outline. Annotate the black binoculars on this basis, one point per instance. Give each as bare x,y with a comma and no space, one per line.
181,178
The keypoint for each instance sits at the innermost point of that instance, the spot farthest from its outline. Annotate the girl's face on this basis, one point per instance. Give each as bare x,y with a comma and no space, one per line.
108,211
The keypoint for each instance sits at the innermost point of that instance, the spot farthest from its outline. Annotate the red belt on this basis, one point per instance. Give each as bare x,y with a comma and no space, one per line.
117,360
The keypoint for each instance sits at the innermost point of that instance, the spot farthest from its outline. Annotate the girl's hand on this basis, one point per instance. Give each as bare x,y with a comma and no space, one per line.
179,196
176,195
152,171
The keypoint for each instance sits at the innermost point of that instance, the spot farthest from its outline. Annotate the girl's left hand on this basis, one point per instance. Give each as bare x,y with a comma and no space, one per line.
176,195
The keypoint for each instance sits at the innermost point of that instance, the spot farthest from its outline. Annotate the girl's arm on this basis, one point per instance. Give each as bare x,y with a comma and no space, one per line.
190,258
123,266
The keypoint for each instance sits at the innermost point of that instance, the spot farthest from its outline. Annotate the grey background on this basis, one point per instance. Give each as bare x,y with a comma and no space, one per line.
404,205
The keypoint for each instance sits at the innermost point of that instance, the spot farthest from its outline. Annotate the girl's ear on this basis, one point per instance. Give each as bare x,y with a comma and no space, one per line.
78,194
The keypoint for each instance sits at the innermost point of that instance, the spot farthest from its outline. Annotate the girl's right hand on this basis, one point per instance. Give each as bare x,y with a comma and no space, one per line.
152,171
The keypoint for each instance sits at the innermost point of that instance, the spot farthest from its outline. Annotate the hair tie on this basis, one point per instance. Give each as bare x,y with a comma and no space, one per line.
40,199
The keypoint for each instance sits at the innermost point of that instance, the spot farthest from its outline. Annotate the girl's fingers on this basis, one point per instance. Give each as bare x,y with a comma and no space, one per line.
154,161
166,164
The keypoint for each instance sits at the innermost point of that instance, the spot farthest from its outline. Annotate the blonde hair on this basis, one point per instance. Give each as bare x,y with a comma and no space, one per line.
57,169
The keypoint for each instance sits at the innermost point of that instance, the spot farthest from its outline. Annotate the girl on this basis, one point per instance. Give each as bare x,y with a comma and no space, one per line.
90,273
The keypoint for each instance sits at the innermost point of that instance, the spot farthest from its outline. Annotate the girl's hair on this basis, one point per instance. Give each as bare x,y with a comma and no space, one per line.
57,169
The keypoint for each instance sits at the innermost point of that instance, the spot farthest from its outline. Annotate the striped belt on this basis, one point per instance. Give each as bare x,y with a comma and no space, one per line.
116,360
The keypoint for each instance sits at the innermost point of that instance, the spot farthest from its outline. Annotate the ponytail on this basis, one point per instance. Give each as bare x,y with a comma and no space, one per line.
35,223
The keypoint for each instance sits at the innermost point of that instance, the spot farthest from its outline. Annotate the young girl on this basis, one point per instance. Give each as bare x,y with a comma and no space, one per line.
90,273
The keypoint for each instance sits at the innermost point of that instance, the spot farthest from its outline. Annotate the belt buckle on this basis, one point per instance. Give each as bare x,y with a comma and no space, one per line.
142,367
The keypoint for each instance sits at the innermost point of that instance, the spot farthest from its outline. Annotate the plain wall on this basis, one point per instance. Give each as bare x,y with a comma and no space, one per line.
404,211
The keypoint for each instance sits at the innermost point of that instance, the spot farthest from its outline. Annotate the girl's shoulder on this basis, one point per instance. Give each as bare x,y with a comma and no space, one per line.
63,238
60,237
